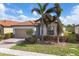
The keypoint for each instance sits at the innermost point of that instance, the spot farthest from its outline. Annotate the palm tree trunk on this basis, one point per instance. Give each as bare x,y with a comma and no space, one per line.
58,39
42,29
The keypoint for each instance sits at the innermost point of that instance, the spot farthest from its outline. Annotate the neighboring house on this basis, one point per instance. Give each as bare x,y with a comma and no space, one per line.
77,29
6,26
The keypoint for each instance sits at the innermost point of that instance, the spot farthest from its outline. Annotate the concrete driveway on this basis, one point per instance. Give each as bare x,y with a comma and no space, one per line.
8,43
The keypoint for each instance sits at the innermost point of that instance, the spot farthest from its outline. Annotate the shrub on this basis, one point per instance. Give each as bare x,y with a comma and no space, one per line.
30,40
45,38
50,38
71,37
8,35
1,37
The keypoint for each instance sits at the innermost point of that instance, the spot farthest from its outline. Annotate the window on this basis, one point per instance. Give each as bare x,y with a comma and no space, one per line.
50,30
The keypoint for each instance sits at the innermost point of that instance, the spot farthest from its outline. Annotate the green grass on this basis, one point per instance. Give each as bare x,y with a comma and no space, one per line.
2,54
56,49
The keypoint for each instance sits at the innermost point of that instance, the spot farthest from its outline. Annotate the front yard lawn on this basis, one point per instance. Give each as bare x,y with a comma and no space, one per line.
69,49
2,54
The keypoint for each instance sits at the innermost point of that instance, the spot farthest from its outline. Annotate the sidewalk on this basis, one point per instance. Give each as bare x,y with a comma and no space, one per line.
21,53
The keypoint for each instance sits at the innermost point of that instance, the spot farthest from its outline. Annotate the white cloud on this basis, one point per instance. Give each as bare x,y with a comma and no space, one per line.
20,12
75,10
20,17
24,18
35,13
3,14
2,7
73,18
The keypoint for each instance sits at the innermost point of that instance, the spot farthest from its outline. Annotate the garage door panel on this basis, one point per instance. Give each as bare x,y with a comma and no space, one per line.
20,33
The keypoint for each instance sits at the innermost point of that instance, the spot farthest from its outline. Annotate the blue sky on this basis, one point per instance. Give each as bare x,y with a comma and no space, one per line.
22,12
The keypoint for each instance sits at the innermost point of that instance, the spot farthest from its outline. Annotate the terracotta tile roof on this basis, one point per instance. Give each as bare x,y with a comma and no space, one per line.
26,23
8,23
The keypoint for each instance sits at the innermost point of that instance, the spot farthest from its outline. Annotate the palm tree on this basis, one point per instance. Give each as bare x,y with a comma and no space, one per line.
42,10
58,10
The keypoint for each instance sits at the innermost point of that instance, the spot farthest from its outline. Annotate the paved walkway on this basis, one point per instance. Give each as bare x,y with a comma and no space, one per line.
8,43
21,53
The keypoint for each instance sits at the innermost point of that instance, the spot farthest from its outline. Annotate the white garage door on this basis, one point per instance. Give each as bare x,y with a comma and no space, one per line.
20,33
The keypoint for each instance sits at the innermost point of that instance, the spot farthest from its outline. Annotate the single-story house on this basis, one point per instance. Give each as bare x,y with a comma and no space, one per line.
19,28
52,29
6,26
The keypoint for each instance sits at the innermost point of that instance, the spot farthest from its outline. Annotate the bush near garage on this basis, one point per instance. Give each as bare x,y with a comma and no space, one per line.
8,35
1,37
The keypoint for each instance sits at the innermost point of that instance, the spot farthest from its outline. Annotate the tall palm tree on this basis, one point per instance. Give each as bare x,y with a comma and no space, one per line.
58,10
42,10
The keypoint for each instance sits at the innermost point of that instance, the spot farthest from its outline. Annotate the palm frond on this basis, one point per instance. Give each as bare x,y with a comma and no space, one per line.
58,12
37,10
56,4
45,6
50,10
41,7
57,9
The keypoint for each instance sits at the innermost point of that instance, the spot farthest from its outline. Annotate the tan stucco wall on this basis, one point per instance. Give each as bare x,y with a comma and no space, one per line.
45,29
77,30
8,30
